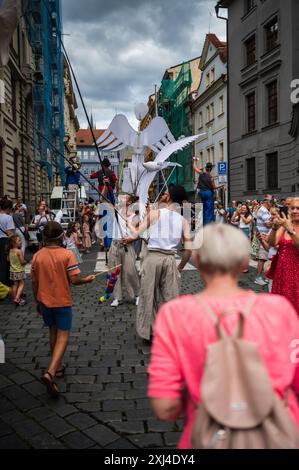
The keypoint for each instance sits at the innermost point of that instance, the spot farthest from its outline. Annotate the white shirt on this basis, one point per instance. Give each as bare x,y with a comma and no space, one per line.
167,233
262,216
219,218
120,228
42,221
242,223
6,223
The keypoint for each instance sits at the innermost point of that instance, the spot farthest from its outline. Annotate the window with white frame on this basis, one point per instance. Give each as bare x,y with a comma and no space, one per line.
221,105
208,114
208,80
212,75
212,111
200,120
212,154
208,154
201,158
221,152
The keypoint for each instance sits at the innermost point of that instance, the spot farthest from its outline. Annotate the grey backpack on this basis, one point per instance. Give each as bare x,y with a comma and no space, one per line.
239,408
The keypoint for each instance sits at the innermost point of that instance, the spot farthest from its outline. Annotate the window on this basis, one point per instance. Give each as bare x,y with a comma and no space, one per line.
212,154
221,105
249,5
250,112
201,158
250,163
272,102
207,114
272,170
212,75
85,154
212,111
208,155
200,120
208,80
221,152
250,49
14,99
271,30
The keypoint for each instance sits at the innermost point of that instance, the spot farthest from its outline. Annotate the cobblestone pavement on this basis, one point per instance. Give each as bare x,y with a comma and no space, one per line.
103,400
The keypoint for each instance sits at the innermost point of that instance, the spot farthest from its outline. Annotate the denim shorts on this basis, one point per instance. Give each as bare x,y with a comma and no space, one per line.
61,317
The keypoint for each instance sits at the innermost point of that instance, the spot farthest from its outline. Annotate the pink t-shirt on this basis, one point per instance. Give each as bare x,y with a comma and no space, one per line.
183,330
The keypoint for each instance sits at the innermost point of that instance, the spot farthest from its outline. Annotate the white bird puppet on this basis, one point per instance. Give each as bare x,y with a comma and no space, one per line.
120,134
152,168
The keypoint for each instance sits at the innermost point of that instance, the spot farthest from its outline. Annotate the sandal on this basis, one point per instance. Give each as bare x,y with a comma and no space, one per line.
60,372
52,387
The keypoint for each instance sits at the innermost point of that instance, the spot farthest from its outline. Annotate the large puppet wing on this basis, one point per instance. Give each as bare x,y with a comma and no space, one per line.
169,149
157,135
148,177
145,181
118,135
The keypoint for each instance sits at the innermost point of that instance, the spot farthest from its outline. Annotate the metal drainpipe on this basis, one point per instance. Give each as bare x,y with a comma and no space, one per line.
228,104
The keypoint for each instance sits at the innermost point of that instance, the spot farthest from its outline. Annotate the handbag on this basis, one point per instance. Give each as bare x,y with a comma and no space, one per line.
25,234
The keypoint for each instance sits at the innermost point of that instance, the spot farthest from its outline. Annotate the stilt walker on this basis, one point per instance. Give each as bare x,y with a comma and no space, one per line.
160,274
124,254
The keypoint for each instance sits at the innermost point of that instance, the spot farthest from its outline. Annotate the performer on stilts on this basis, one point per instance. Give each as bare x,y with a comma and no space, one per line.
124,253
160,274
206,188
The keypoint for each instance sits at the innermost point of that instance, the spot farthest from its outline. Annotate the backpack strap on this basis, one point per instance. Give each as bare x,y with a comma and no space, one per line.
216,320
238,333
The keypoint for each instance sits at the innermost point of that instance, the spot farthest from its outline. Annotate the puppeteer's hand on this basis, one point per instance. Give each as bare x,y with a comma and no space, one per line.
90,278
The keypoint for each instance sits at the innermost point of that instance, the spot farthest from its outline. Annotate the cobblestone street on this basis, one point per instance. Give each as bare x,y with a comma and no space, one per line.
103,400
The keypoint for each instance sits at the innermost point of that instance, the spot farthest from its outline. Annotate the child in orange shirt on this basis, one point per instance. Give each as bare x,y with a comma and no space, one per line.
53,270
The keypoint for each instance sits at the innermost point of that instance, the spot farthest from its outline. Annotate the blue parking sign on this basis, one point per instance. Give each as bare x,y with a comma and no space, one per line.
222,168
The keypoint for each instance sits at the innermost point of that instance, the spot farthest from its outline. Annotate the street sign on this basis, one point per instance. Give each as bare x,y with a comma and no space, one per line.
222,168
222,179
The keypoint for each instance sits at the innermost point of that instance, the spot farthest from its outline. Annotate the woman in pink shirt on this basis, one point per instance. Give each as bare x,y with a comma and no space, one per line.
183,331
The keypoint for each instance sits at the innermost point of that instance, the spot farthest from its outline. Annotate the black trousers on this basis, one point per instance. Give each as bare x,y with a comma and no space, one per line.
4,264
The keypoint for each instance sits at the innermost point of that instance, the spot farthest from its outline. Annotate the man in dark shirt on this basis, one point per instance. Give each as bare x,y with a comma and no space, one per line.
107,175
206,187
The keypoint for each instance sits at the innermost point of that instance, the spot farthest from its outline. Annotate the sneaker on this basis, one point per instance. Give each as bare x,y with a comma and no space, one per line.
116,303
19,302
136,301
260,281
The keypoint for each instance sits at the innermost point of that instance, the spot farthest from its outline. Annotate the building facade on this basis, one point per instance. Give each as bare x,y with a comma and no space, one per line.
89,159
45,28
178,84
71,123
263,39
209,108
20,176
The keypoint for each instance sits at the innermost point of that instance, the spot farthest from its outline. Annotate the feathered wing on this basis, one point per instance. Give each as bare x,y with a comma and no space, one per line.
118,135
147,178
142,191
168,150
156,135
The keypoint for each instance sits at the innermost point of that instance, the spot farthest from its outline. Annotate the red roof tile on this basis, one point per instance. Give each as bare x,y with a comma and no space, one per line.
84,137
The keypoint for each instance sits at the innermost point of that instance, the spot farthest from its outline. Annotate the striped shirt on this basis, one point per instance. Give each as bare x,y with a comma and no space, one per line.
52,268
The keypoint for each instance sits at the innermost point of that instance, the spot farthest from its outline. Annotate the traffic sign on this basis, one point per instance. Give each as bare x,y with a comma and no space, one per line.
222,179
222,168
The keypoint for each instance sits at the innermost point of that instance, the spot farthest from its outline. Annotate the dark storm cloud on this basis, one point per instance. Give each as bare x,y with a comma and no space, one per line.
120,49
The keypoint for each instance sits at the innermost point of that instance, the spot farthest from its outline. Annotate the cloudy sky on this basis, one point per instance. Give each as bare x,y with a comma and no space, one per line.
120,48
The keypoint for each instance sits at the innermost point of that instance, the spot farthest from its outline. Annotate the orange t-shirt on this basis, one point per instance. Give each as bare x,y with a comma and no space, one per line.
52,268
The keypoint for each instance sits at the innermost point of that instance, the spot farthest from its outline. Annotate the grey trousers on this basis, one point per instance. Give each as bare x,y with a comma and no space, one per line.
159,284
128,278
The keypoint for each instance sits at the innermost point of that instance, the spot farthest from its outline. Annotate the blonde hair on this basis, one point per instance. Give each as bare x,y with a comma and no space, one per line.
221,248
